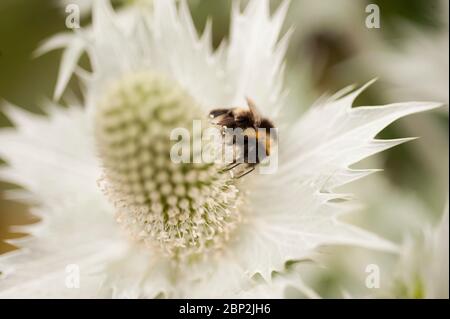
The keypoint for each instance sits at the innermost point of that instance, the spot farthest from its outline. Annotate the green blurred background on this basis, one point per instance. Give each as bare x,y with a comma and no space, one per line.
331,48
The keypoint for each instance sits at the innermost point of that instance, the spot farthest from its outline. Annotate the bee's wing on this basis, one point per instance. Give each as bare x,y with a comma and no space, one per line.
254,110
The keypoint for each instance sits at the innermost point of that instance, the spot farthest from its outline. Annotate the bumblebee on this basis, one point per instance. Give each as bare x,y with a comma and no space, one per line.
258,134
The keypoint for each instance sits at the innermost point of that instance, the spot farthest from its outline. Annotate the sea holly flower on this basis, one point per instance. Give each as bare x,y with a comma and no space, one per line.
422,52
134,223
423,268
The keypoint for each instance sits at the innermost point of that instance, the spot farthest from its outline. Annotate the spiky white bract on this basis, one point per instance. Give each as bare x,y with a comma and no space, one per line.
286,215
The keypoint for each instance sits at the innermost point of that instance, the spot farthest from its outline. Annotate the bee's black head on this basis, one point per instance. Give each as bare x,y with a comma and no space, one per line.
231,118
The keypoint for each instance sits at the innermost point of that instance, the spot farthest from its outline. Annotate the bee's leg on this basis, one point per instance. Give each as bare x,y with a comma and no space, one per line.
249,170
230,166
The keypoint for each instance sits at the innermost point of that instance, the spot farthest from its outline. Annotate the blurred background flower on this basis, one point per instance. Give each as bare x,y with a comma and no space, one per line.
331,47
